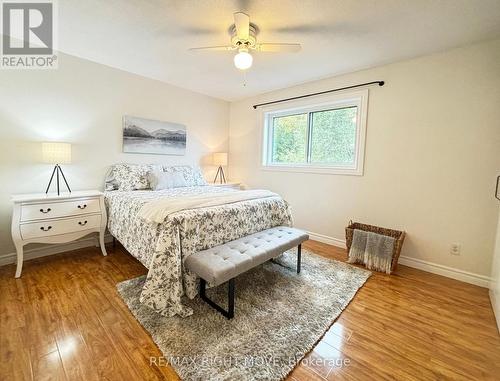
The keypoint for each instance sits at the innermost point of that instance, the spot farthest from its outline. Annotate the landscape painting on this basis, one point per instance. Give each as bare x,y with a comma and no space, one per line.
153,136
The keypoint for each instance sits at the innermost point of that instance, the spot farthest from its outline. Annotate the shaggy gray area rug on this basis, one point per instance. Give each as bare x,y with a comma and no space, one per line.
279,317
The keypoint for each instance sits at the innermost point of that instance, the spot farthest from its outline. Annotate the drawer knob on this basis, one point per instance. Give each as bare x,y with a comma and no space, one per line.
82,223
46,229
45,211
82,206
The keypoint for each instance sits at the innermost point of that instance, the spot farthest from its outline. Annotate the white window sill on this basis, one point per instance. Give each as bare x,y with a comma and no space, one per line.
314,169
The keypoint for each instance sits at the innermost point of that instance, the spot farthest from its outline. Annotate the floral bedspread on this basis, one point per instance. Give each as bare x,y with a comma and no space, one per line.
162,248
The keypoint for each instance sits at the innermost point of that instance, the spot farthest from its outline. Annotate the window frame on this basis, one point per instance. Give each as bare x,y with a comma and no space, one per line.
328,102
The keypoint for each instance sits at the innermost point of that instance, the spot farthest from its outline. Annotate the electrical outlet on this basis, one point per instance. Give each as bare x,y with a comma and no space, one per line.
455,249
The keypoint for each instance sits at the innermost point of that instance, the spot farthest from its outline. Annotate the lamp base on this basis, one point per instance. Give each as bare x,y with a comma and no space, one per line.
57,170
220,174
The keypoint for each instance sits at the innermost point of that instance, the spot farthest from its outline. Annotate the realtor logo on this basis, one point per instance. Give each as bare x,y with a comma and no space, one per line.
28,35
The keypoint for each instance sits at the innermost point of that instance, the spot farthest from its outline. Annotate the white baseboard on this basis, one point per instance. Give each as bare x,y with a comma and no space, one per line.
449,272
434,268
326,239
43,251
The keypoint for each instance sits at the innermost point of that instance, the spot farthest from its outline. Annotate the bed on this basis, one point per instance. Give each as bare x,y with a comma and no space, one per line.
162,247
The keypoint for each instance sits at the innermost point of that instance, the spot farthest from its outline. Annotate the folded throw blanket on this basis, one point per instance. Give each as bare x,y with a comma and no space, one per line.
157,210
358,246
372,249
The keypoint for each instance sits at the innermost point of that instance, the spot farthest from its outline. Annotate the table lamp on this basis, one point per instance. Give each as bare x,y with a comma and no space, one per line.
56,153
220,159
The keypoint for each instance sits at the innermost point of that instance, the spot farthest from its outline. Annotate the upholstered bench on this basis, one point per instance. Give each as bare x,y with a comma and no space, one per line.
223,263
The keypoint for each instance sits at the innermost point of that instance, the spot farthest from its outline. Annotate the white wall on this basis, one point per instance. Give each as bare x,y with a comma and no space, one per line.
83,103
495,277
432,152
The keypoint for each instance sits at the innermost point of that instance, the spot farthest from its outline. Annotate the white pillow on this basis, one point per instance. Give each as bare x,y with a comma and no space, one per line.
192,174
159,180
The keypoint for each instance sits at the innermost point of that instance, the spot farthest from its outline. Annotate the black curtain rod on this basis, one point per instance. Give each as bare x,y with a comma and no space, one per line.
380,83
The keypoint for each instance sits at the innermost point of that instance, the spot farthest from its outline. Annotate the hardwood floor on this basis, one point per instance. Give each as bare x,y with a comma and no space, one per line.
64,320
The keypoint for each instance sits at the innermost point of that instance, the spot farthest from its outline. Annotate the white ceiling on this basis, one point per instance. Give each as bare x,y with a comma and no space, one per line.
151,37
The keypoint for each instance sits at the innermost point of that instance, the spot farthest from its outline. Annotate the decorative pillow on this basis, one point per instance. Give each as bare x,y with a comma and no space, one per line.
191,174
126,177
110,183
159,180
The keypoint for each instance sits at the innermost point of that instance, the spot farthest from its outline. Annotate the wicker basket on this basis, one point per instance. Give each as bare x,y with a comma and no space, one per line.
399,237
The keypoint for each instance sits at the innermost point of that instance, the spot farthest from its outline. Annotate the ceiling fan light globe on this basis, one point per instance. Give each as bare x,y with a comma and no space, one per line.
243,60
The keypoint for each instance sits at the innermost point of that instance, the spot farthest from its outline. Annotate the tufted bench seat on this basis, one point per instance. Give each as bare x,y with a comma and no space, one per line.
223,263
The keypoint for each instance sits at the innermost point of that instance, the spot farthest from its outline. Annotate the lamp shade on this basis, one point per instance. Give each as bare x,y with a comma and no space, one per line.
220,158
56,153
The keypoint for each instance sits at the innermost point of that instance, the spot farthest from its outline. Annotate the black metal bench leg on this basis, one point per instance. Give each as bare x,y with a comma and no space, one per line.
203,286
229,314
230,299
299,257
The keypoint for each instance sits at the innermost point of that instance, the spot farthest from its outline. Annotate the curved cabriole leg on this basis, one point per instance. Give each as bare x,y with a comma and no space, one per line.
101,241
19,268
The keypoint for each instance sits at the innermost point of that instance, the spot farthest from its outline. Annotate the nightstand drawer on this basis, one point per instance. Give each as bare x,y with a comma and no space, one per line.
42,211
62,226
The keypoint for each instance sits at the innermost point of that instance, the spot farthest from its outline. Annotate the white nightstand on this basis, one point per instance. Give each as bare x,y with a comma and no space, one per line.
233,185
56,219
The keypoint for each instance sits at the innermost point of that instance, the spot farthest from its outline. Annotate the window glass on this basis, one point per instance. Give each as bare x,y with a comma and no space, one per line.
289,139
333,136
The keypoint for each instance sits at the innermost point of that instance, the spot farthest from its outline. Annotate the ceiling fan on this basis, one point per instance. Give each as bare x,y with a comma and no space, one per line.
243,39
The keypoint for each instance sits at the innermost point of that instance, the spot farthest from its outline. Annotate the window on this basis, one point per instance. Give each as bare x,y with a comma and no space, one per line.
326,137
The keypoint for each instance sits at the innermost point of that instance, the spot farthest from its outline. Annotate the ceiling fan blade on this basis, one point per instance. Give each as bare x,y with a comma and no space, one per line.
183,31
338,28
242,24
269,47
213,48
